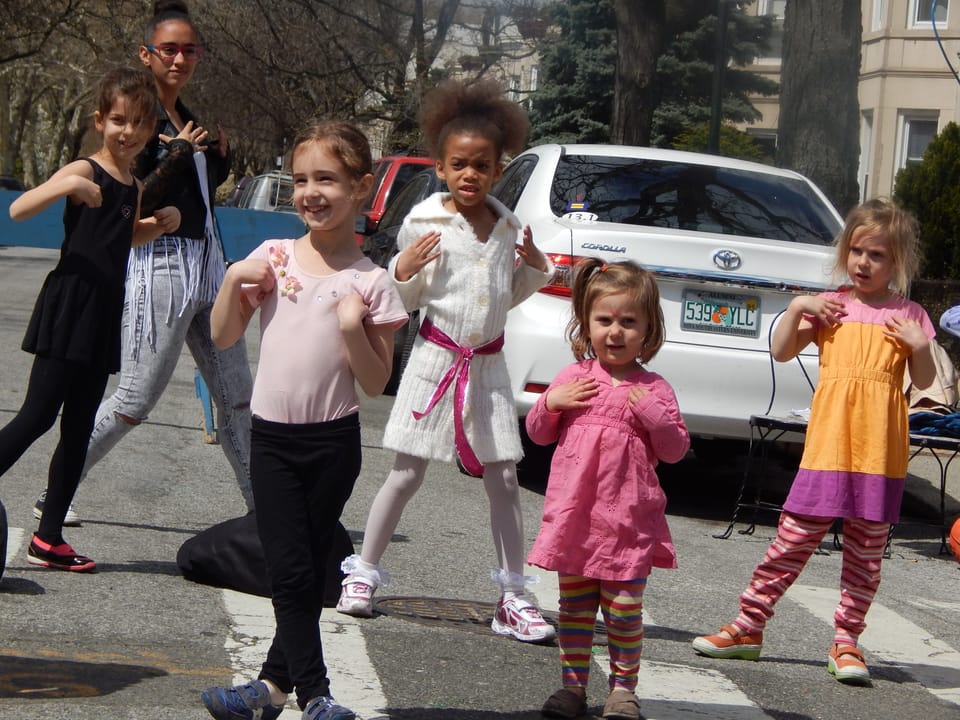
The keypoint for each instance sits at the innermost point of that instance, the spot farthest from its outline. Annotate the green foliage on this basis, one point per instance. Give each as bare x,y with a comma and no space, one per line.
685,69
733,143
577,67
931,190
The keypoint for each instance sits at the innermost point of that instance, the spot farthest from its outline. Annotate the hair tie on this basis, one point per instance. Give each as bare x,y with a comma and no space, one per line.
603,268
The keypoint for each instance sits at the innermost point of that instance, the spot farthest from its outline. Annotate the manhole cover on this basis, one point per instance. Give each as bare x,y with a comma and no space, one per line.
469,615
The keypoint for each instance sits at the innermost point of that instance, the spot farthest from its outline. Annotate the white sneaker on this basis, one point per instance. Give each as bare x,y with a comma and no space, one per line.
356,597
521,620
72,519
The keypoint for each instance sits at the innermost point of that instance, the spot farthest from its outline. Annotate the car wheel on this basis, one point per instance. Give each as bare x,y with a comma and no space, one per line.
401,353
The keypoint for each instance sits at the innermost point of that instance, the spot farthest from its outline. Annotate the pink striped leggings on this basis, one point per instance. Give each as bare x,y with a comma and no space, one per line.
797,537
621,603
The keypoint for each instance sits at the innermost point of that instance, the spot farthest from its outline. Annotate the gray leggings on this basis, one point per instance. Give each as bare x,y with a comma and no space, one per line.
146,369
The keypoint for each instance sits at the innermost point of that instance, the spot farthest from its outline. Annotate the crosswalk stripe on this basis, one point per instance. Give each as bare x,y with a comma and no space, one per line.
668,691
896,640
354,681
14,541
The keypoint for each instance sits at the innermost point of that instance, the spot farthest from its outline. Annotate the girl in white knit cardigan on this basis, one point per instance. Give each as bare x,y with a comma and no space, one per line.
457,264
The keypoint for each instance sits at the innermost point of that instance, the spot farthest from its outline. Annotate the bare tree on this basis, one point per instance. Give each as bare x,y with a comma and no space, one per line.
640,27
270,66
819,112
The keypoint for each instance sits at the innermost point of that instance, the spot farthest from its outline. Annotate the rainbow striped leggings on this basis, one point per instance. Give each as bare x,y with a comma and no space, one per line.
621,603
797,537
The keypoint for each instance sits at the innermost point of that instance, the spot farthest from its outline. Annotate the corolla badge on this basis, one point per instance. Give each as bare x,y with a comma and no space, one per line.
727,260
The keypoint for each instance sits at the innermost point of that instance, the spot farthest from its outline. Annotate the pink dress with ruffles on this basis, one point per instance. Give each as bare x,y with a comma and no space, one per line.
604,512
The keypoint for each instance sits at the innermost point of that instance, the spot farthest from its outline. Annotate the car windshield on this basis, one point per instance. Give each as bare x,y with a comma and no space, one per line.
686,196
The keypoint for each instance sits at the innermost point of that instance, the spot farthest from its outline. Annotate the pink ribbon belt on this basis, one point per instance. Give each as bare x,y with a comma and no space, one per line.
460,369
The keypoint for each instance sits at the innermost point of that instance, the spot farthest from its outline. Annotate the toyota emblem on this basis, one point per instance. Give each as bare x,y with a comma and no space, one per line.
726,259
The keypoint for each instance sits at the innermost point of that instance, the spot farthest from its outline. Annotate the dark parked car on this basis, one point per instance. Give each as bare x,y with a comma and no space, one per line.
381,245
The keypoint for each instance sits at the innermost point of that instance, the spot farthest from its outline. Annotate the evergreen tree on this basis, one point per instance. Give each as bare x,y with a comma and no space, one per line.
931,190
577,66
734,143
686,68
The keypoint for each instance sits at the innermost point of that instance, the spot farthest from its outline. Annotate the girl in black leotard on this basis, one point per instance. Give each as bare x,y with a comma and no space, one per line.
74,331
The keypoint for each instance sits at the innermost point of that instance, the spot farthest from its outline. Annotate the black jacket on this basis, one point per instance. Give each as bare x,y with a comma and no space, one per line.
169,175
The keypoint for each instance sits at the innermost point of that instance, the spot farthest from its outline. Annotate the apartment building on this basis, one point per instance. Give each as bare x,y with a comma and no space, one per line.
908,86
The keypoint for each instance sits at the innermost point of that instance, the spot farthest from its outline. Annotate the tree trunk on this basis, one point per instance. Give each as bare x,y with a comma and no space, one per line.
819,112
639,40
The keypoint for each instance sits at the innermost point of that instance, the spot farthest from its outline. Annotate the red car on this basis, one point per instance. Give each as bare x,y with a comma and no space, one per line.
390,174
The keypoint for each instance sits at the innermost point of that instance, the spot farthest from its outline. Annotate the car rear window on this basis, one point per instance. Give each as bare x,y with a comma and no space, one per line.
686,196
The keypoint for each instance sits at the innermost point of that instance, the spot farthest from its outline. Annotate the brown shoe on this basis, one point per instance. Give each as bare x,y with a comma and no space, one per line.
739,645
622,705
566,704
846,664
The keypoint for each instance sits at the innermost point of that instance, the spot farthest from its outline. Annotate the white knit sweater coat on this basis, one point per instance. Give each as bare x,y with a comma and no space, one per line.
466,293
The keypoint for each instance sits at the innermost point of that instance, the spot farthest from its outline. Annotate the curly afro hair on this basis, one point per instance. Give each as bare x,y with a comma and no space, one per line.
479,108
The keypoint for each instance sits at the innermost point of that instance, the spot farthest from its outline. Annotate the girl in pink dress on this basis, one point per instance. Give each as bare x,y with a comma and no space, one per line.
604,523
857,445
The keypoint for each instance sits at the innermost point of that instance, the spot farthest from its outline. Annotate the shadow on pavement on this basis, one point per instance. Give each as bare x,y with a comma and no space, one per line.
27,678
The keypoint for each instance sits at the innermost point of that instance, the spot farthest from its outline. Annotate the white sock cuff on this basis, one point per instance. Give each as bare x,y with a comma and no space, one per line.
354,565
512,581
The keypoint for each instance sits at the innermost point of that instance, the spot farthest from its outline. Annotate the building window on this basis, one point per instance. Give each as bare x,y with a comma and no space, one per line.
879,19
515,93
917,129
532,87
866,154
920,13
775,52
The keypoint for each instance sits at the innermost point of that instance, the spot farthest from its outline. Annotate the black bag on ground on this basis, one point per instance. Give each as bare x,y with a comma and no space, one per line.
229,555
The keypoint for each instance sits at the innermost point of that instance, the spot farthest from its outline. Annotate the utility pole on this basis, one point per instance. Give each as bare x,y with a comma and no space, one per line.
719,65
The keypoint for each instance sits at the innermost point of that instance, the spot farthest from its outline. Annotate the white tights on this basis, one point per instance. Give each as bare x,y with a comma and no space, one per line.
506,520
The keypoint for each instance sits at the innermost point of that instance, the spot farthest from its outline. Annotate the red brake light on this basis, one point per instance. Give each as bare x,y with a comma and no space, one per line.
562,282
532,387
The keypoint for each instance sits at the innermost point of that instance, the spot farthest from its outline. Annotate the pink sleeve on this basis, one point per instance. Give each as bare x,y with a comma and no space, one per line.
383,299
543,426
660,415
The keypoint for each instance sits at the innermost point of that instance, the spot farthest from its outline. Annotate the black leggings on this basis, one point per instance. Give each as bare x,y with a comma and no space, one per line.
302,477
78,390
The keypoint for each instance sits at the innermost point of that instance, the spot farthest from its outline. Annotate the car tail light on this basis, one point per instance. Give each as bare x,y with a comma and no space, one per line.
532,387
562,282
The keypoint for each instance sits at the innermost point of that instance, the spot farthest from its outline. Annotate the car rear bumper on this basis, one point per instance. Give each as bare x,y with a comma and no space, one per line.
717,388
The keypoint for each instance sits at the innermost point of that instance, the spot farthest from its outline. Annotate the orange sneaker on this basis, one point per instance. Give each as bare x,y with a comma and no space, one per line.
740,646
845,663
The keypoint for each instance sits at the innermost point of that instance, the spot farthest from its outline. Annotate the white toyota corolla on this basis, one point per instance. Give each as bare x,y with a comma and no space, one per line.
730,242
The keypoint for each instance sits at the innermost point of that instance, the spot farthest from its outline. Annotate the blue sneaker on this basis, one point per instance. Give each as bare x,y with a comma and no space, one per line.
326,708
241,702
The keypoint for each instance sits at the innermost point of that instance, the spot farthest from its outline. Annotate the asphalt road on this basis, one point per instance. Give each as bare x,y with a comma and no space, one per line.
137,640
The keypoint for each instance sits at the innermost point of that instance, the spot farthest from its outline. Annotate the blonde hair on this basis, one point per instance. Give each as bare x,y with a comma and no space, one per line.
897,225
595,279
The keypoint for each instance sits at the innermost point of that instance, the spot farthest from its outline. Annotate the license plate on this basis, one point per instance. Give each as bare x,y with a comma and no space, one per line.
722,313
